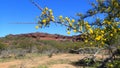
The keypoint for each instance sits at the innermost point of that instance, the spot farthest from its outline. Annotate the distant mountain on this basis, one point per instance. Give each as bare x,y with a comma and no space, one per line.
46,36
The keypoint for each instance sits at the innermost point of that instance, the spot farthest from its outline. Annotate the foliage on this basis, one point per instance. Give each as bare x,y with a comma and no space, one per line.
19,46
102,30
2,46
105,31
60,46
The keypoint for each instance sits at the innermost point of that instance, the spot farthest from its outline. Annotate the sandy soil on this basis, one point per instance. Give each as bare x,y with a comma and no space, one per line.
56,61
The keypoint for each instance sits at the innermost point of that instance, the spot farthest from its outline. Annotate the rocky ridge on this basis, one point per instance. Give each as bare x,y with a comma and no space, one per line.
46,36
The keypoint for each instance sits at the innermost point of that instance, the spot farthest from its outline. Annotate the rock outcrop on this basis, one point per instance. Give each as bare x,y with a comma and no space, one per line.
46,36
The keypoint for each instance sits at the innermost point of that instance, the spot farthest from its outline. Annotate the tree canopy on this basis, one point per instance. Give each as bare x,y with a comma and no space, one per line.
105,30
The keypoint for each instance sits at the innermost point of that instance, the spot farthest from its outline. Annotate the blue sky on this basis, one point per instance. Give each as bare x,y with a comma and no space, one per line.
13,11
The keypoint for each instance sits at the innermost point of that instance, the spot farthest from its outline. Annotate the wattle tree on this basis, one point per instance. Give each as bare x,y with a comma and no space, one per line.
105,31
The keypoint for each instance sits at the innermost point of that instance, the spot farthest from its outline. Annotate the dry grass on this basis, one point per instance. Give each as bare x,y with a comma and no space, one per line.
38,61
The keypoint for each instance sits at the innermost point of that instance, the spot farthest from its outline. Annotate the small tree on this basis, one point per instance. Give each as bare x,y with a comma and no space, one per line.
2,47
102,30
105,31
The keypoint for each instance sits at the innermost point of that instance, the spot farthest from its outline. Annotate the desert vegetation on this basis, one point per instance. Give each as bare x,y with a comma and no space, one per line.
19,46
99,47
25,48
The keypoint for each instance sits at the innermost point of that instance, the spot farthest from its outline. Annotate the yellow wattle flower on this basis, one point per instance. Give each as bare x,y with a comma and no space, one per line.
68,32
44,21
104,39
102,35
108,23
72,20
51,13
118,28
102,32
62,20
86,41
66,18
91,31
70,24
86,23
43,12
75,30
46,8
98,38
88,26
111,65
102,43
36,27
115,30
80,28
111,35
91,43
50,10
60,17
109,8
52,17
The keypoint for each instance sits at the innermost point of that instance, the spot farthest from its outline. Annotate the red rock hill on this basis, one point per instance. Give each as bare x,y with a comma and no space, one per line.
46,36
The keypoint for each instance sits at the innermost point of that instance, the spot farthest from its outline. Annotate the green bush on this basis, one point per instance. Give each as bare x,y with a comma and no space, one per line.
41,46
62,46
2,46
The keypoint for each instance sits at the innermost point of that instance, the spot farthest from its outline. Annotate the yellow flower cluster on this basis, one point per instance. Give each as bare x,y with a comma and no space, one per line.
107,22
69,22
36,27
72,20
98,38
75,30
68,32
44,21
66,19
87,25
86,41
91,31
60,17
46,17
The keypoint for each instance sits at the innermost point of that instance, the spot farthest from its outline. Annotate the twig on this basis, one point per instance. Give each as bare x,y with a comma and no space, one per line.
38,6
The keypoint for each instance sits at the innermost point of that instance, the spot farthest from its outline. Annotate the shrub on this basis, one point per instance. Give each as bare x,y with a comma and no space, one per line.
2,46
